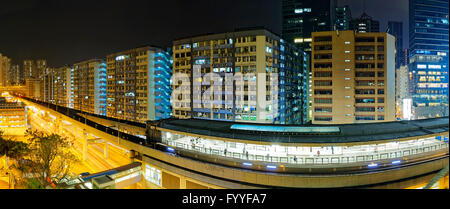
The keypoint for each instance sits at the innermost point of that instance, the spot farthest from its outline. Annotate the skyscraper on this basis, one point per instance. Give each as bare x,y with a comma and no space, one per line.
302,17
428,45
343,18
396,29
365,24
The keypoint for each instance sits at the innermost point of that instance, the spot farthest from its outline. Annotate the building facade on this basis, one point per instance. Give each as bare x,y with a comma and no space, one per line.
365,24
245,75
343,18
302,17
89,86
34,69
32,86
5,64
62,86
28,68
353,77
139,84
13,117
402,91
15,76
47,87
429,59
405,59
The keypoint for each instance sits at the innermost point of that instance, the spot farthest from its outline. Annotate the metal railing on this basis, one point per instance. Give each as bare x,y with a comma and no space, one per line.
317,159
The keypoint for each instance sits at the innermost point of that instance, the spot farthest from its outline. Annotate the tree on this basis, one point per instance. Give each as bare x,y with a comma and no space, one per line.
14,150
50,156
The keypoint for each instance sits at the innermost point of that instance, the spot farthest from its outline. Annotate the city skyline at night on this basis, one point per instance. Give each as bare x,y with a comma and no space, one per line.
236,94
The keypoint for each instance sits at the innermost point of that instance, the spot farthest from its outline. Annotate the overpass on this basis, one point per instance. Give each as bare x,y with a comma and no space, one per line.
14,89
212,154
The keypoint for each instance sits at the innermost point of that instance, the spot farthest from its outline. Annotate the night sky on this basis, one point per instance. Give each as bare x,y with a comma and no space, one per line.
65,32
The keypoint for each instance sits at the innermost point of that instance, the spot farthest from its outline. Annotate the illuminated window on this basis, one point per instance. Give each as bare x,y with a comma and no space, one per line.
298,40
153,175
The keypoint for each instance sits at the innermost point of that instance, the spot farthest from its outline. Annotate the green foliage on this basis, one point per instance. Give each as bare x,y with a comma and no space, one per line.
50,155
34,184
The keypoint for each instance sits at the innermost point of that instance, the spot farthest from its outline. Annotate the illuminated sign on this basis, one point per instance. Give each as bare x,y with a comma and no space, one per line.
434,66
421,66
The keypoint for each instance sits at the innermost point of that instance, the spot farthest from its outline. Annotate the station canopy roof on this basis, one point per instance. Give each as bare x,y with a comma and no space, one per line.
338,133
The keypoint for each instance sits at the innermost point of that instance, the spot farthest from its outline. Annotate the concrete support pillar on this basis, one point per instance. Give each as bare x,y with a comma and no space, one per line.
85,144
182,182
105,150
131,155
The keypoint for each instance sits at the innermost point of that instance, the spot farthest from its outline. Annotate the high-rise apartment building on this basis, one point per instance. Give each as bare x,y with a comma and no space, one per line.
365,24
353,77
249,75
40,70
47,86
5,64
396,29
301,17
62,86
34,69
89,86
429,58
15,76
139,86
343,18
28,68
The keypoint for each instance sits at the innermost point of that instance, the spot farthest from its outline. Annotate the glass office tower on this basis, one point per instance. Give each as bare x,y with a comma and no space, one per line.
396,29
428,43
302,17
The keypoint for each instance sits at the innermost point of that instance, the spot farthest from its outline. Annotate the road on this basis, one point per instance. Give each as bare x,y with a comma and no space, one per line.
96,160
